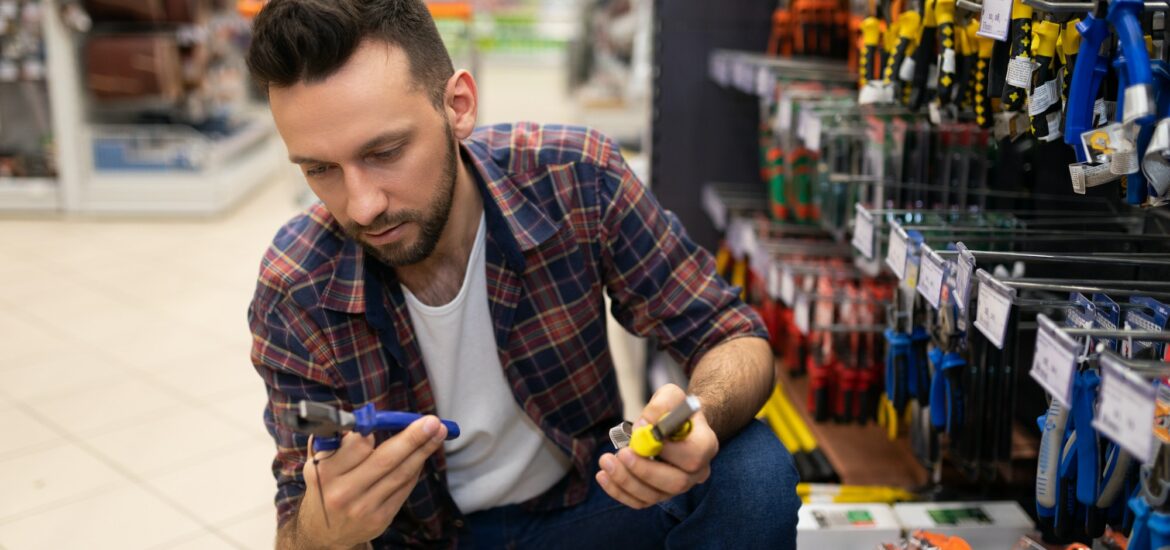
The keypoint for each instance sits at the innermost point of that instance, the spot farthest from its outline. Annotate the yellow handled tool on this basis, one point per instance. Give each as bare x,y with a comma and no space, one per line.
647,440
829,492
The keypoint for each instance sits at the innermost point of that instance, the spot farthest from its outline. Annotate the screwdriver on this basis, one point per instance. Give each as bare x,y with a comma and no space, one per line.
647,441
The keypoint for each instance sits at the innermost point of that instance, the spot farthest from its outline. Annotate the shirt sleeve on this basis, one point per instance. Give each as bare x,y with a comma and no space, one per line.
662,284
281,343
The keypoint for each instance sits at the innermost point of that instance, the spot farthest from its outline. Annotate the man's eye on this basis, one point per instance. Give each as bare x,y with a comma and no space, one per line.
388,154
316,171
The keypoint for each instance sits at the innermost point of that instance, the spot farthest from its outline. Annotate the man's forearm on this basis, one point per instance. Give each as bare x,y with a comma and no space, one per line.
733,380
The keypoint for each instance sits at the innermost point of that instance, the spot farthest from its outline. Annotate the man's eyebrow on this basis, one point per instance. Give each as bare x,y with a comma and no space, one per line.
385,138
374,142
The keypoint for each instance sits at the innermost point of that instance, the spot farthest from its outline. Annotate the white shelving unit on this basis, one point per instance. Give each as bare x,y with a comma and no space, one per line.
240,164
30,195
48,195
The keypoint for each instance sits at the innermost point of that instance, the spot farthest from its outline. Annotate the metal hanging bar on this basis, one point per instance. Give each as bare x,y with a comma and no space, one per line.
1135,260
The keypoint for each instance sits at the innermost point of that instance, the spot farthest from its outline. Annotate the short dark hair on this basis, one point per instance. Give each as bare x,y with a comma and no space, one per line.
310,40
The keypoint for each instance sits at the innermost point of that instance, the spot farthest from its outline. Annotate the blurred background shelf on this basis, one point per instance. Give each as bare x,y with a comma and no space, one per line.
29,194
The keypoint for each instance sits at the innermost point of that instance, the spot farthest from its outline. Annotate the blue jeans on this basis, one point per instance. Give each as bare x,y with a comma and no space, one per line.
748,502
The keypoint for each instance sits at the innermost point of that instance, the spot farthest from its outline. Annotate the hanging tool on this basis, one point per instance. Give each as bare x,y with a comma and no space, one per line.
924,59
1088,72
1019,70
948,38
327,422
1044,105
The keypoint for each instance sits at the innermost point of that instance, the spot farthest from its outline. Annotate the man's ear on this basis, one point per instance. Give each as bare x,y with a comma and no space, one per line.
462,102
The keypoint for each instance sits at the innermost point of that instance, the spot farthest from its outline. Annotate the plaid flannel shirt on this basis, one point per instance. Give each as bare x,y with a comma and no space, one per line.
566,221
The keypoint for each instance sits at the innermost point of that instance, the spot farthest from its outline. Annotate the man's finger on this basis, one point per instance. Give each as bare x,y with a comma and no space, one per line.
618,494
664,399
426,433
696,451
661,477
353,450
621,476
405,475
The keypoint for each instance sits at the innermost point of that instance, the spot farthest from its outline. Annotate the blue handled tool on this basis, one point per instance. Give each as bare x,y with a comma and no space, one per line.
326,422
1088,72
1125,16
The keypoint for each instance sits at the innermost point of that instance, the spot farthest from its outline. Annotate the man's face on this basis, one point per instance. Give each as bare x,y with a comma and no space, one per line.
375,150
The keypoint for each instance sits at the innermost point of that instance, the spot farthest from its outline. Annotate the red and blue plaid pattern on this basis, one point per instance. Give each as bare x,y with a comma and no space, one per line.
566,221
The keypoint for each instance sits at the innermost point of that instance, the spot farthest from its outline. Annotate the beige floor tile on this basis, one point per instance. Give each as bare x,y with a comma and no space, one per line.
168,441
257,531
155,347
245,409
123,403
39,480
217,372
125,517
232,485
204,541
63,369
23,433
21,337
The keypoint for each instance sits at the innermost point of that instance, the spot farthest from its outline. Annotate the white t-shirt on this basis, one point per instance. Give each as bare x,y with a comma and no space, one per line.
501,456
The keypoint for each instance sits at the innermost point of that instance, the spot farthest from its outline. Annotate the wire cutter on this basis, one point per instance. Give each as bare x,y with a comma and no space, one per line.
326,422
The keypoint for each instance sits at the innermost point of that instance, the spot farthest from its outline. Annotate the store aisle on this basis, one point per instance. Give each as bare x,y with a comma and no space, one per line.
132,415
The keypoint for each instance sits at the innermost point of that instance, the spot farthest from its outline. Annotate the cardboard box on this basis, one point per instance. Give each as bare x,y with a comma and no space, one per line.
987,524
846,526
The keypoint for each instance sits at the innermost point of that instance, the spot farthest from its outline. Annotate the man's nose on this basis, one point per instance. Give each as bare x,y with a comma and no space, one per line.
366,201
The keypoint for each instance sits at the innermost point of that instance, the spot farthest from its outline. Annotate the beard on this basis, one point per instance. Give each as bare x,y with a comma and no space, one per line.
431,223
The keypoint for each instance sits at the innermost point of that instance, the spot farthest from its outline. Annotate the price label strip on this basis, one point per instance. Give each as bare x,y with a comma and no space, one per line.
896,251
863,231
932,272
964,268
1125,413
994,308
1055,361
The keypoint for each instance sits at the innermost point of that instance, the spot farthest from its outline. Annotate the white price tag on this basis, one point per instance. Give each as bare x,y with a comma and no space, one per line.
1019,72
932,271
765,82
1043,97
993,310
773,280
784,114
1125,412
714,207
996,19
863,232
896,252
812,132
965,266
801,313
1055,361
787,287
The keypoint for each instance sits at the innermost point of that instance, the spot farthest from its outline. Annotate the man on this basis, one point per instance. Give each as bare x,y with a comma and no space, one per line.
460,272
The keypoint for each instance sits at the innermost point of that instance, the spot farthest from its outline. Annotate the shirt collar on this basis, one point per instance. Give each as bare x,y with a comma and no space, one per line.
514,224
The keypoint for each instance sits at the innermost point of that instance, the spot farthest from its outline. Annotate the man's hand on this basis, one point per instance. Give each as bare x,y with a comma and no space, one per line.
640,482
362,486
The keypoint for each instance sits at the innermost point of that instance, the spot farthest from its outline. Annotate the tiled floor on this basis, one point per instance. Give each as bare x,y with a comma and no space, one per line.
129,411
131,414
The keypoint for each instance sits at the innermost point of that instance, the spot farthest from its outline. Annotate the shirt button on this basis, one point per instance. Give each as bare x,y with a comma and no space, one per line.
458,524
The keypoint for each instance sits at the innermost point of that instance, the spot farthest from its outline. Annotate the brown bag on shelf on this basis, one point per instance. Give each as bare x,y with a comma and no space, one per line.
137,66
